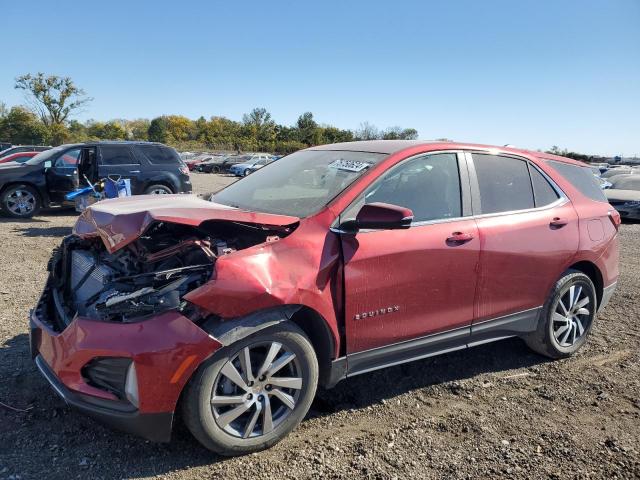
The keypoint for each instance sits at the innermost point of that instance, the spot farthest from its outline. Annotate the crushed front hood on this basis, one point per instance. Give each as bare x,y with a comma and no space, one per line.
122,220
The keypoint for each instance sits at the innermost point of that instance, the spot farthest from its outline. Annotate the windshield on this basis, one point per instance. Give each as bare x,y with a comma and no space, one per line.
46,155
299,184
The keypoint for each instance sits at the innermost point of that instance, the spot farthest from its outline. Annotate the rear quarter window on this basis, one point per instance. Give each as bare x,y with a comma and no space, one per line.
581,178
159,154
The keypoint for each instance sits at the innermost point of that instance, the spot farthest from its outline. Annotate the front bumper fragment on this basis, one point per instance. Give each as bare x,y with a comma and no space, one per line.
165,349
119,415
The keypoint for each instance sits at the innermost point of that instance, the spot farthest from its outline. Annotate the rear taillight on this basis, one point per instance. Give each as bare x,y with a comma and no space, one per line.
614,216
184,170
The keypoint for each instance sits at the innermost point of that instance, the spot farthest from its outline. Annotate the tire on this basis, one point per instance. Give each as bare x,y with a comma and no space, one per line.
247,172
552,339
215,169
20,201
207,421
157,189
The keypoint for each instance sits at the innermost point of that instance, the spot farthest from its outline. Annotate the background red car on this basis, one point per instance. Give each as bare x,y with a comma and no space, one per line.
20,157
331,262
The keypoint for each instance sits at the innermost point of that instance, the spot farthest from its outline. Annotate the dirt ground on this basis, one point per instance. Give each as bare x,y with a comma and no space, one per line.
492,411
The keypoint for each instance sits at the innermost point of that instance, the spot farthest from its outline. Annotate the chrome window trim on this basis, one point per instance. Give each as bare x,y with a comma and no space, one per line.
467,155
563,198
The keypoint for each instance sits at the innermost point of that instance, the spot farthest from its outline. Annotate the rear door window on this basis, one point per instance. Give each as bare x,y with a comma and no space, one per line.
160,155
116,155
581,178
504,183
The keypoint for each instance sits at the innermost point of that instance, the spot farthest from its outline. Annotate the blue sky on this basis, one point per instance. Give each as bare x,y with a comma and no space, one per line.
530,73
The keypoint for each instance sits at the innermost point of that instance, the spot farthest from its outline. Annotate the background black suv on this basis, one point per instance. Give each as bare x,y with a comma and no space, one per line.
43,181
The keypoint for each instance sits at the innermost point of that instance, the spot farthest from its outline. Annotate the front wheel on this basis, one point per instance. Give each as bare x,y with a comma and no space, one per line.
251,394
247,172
566,318
20,201
157,190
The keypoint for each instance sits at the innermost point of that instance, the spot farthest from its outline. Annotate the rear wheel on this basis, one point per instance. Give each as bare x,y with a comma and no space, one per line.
566,318
20,201
251,394
215,169
157,190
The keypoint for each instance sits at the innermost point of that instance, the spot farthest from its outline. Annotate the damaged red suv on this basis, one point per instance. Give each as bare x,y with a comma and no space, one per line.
331,262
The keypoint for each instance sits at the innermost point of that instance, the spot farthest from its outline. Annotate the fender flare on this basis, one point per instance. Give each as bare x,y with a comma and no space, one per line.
230,331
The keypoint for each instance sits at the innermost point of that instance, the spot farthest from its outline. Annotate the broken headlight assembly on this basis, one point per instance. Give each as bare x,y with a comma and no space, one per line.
147,276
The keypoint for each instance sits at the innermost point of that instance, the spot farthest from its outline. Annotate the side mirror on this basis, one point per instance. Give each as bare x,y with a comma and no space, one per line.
379,216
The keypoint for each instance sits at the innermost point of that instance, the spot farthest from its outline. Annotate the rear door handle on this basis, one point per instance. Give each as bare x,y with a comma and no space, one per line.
459,237
134,171
558,222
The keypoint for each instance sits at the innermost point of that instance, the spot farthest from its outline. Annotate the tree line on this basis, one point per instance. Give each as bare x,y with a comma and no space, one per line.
52,101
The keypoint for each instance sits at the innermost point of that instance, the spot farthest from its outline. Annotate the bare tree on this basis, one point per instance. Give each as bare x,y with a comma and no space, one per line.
367,131
53,98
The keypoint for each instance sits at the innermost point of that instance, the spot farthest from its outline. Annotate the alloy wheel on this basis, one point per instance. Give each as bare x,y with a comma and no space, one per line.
572,315
256,390
159,191
20,202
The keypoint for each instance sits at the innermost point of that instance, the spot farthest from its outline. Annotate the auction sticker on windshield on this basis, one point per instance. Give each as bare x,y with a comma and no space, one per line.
349,165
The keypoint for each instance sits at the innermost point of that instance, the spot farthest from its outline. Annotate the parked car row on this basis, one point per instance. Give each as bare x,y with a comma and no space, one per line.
47,177
621,184
239,165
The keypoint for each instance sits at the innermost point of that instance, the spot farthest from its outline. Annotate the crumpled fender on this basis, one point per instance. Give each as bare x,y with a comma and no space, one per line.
302,269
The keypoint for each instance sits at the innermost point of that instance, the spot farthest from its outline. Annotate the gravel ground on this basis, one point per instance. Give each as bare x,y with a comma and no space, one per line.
496,410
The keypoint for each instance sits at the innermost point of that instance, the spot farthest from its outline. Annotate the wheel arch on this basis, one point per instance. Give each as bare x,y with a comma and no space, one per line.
309,320
592,271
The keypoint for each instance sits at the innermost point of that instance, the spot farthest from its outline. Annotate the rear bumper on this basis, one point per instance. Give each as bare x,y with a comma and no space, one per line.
186,186
119,415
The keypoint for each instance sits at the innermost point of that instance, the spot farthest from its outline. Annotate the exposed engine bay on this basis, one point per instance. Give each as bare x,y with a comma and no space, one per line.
147,276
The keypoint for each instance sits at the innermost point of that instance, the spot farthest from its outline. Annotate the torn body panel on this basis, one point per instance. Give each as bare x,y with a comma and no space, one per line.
121,221
302,269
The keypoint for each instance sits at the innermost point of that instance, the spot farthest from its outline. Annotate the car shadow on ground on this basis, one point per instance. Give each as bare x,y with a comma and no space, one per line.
30,408
44,231
41,217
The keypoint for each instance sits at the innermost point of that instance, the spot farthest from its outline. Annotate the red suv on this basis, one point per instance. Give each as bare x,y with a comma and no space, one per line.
331,262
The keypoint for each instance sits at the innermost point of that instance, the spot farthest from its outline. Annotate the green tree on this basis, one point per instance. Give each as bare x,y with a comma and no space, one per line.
179,129
308,129
53,98
20,126
397,133
158,130
137,129
112,130
336,135
259,130
220,132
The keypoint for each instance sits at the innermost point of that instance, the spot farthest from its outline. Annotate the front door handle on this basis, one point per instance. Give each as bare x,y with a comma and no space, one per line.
459,237
558,222
134,171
